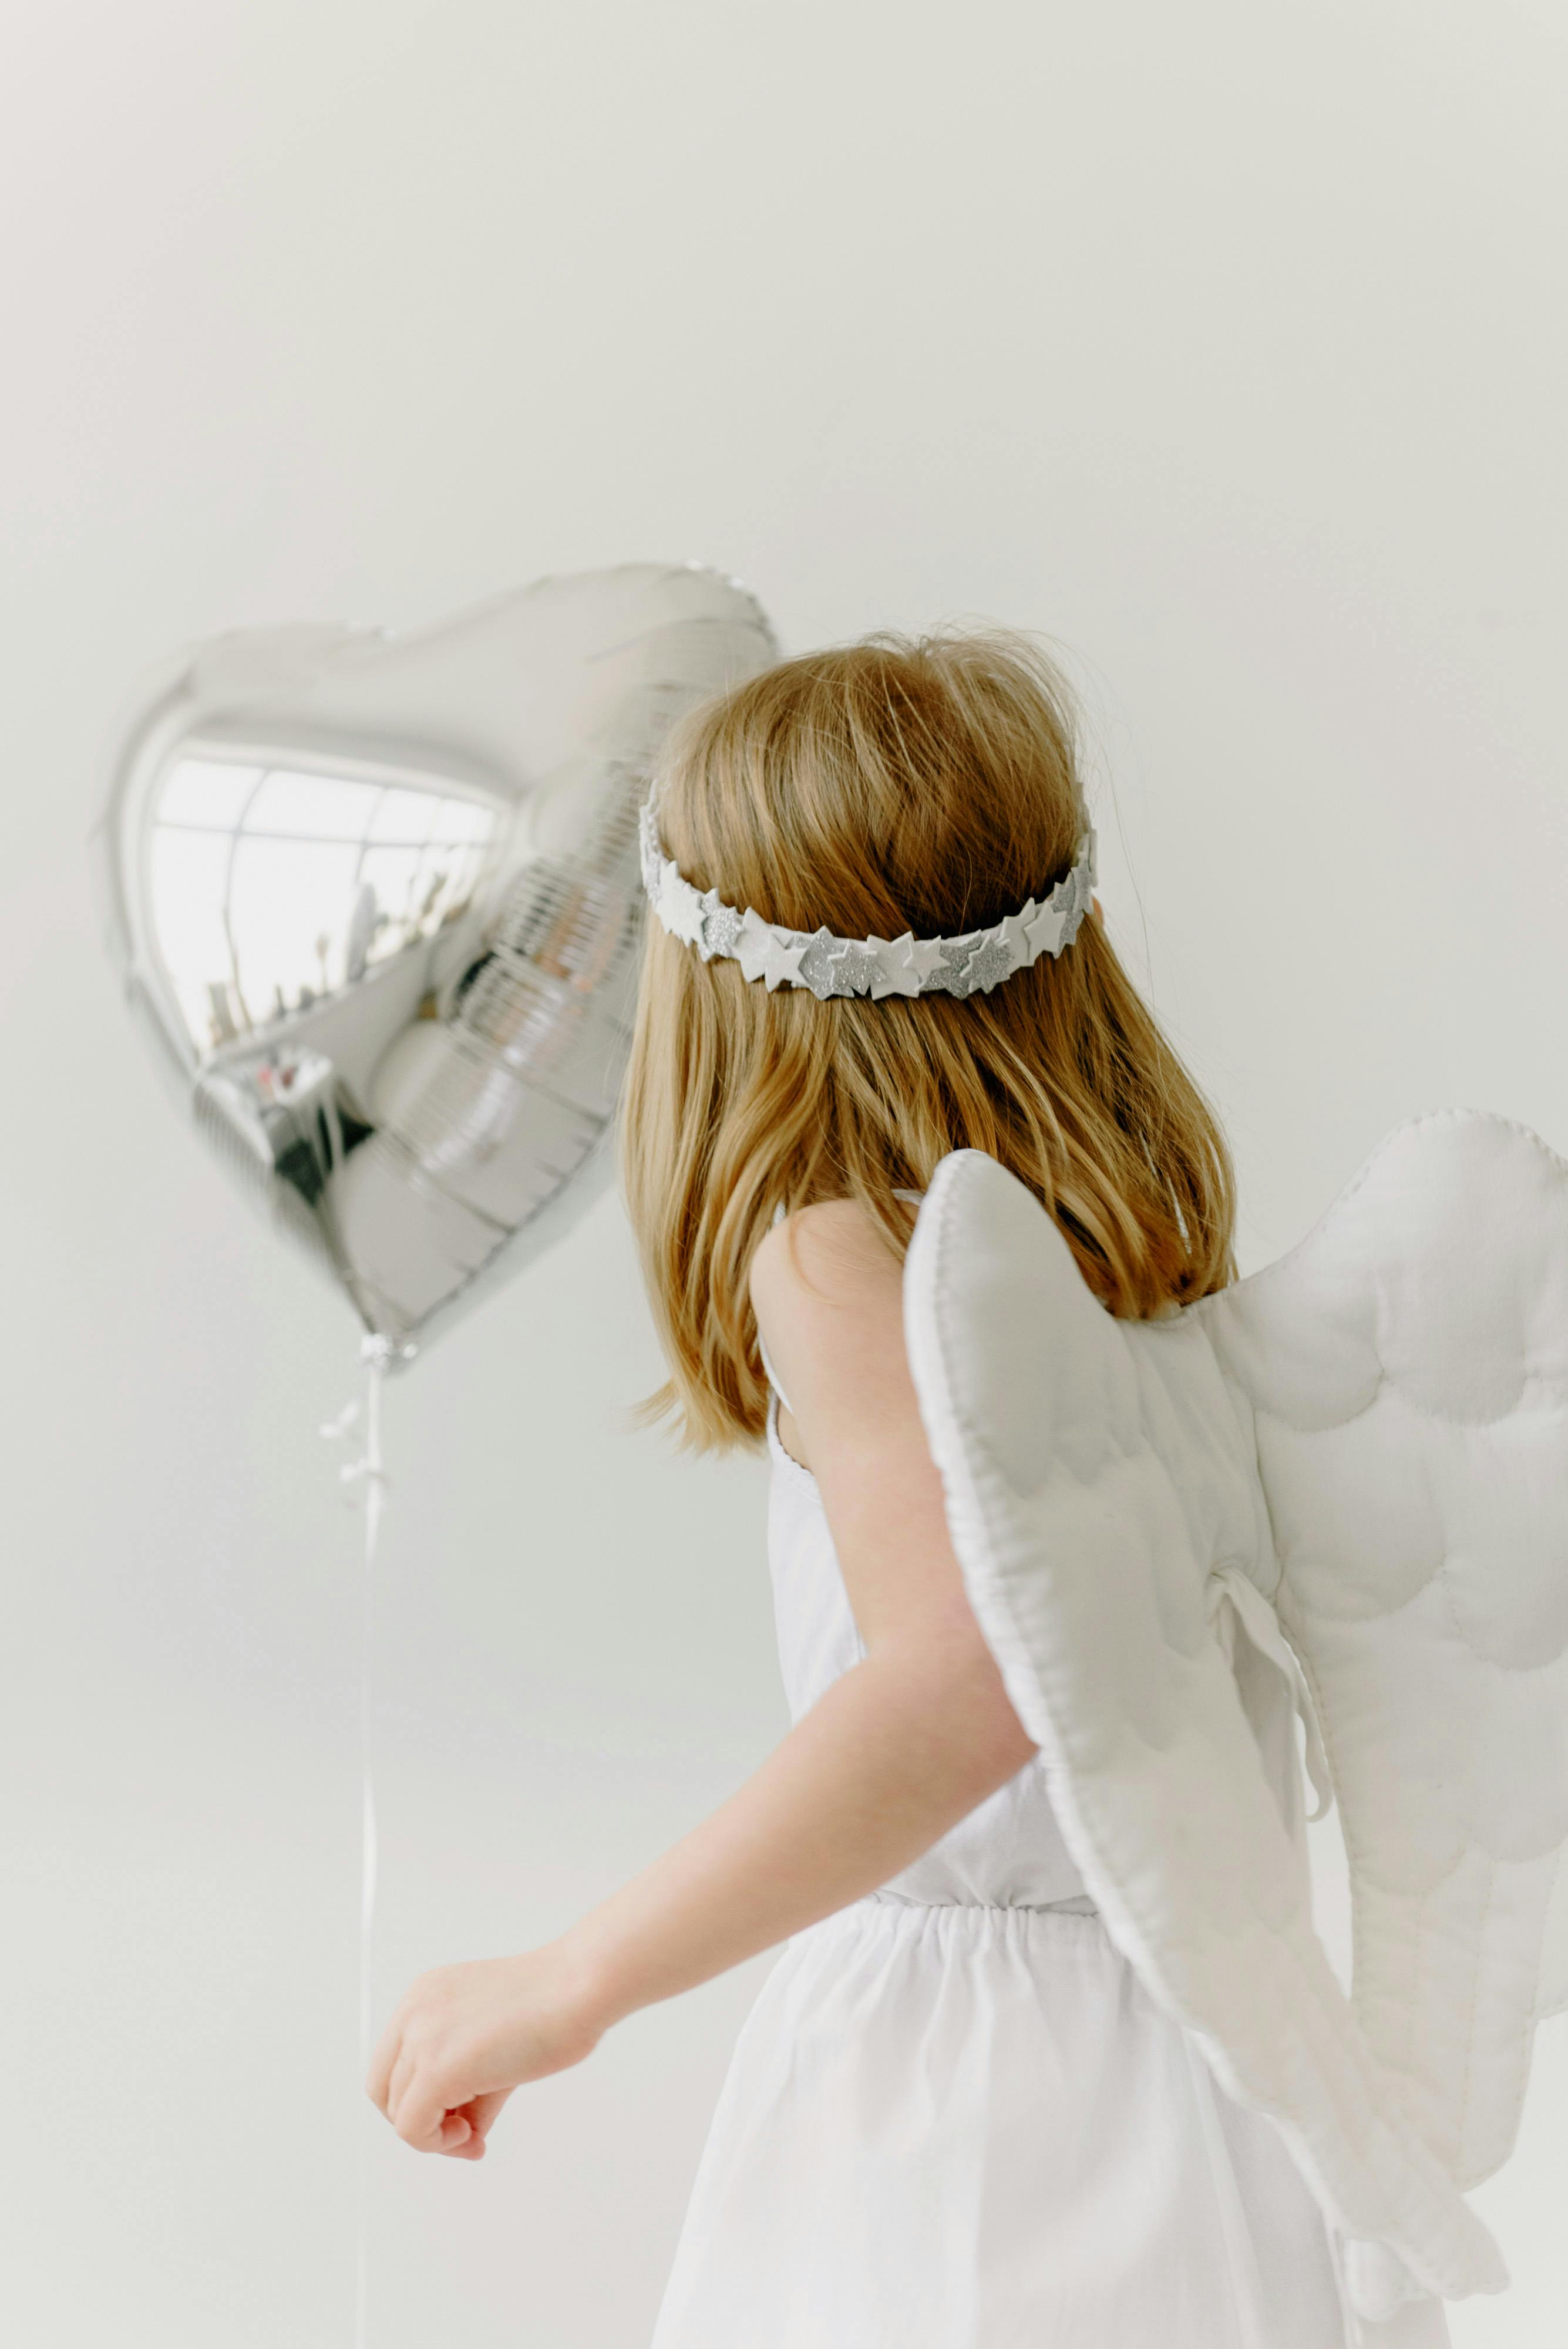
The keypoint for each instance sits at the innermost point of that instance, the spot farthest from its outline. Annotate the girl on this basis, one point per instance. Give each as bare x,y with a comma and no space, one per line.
953,2119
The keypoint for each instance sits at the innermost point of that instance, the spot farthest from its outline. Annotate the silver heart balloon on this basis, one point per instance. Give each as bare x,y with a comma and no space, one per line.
375,902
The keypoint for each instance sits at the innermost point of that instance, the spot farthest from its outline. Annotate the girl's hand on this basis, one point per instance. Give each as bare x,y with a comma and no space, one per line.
465,2036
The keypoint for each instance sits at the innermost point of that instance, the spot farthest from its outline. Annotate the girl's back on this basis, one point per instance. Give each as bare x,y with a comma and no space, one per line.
953,2116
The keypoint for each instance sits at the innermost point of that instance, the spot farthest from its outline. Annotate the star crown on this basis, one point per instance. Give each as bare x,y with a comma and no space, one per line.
972,964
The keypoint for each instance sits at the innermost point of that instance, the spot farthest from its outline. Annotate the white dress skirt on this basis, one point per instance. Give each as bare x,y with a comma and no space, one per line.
954,2120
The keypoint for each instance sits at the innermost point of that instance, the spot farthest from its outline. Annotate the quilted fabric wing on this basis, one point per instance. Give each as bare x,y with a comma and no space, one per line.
1099,1483
1406,1367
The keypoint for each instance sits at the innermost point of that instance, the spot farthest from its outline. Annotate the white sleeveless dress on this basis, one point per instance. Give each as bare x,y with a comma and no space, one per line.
954,2120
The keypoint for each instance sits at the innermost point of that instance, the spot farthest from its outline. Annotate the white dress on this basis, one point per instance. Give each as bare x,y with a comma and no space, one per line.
954,2120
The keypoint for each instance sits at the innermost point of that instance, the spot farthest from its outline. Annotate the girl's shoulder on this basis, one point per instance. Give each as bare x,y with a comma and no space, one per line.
833,1253
827,1292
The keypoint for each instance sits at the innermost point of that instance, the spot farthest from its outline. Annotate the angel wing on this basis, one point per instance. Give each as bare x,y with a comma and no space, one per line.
1405,1371
1114,1489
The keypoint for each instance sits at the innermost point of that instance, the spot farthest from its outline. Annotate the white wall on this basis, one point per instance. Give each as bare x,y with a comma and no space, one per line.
1225,343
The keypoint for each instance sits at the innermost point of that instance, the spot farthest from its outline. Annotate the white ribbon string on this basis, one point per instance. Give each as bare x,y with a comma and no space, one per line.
1234,1598
364,1476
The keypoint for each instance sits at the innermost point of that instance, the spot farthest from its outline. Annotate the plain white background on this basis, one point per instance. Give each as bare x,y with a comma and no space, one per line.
1226,344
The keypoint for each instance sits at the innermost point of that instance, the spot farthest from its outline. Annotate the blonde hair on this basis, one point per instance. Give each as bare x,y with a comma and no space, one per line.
932,785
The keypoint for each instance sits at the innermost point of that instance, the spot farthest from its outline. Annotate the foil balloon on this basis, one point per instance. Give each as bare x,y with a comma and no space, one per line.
375,903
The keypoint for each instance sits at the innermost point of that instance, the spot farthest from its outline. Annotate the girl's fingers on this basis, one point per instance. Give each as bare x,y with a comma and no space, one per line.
456,2129
398,2087
418,2101
421,2110
419,2113
378,2080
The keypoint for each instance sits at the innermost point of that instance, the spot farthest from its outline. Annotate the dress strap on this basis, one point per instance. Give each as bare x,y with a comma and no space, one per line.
772,1375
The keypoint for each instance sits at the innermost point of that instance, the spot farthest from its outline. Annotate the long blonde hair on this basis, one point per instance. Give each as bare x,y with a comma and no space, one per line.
930,785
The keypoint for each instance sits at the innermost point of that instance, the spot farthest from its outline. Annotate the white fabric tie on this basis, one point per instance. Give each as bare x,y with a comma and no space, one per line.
1232,1597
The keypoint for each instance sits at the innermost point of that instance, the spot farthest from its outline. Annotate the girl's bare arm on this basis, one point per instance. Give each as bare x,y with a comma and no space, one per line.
895,1752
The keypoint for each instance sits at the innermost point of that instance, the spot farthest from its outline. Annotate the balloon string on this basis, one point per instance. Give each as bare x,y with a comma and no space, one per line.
368,1472
374,1487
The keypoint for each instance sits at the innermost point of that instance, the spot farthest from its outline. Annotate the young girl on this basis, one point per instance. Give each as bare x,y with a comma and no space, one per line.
953,2119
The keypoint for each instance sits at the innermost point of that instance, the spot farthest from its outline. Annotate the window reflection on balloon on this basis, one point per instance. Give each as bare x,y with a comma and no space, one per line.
273,888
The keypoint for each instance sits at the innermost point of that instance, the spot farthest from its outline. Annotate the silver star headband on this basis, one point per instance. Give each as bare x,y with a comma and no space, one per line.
874,967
